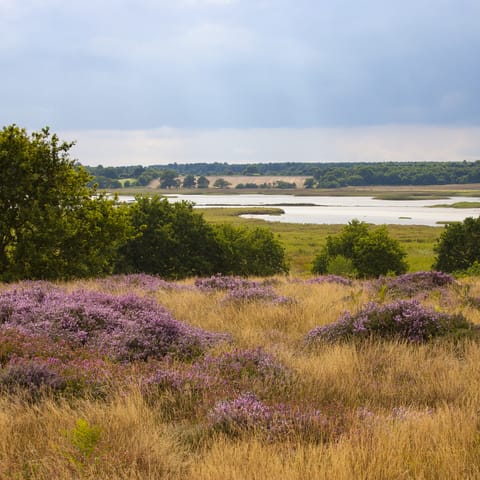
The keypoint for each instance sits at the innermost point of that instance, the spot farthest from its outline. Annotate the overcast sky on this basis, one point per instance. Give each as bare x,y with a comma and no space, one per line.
158,81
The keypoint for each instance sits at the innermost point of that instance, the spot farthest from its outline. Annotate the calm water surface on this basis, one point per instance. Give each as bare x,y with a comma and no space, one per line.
331,210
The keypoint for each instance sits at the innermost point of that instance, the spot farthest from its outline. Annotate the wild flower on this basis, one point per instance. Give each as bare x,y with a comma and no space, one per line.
247,413
138,281
411,284
33,375
257,293
406,320
126,327
221,282
330,279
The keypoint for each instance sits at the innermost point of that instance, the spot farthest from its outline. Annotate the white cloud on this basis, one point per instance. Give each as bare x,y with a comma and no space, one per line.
367,144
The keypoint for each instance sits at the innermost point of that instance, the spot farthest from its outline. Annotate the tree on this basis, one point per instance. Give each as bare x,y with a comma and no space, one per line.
52,225
372,252
458,246
203,182
189,181
250,251
171,240
169,179
221,183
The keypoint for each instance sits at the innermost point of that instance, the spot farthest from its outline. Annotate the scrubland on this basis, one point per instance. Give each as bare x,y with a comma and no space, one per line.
132,377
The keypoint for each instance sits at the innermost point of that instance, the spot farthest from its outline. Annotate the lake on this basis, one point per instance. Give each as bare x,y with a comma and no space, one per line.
338,210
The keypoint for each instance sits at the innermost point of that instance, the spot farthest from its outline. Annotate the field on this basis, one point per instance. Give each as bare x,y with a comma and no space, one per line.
87,394
303,241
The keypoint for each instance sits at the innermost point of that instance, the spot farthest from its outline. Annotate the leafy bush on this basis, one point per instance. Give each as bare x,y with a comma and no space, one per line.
358,249
405,320
458,246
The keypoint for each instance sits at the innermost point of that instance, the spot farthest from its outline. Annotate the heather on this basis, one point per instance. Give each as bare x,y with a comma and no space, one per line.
403,320
411,284
134,377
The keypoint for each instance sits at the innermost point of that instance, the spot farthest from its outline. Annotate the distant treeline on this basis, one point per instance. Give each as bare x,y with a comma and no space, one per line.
321,175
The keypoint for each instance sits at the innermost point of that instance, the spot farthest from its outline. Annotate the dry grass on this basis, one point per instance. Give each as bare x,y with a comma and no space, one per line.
408,411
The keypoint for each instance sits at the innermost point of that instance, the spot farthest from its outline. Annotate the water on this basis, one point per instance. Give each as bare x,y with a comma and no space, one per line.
339,210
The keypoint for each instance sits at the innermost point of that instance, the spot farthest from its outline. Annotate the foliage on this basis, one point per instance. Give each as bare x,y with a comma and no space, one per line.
250,251
221,183
52,225
169,179
458,246
189,181
173,241
405,320
324,175
203,182
371,252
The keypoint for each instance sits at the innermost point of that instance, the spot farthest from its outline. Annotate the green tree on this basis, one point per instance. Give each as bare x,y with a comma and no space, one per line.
221,183
52,225
171,240
203,182
189,181
458,246
250,251
371,252
169,179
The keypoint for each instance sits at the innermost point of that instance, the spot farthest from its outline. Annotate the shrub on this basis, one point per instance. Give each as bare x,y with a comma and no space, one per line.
411,284
358,249
458,246
126,327
405,320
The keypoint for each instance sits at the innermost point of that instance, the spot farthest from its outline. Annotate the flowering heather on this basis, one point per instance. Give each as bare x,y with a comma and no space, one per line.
330,279
126,327
411,284
224,282
407,320
139,281
254,294
33,375
247,413
244,365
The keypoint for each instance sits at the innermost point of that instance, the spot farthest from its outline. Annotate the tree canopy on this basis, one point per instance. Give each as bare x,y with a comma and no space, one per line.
52,224
359,251
458,247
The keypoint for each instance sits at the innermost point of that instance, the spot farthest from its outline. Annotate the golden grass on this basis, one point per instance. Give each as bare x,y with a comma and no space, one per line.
408,411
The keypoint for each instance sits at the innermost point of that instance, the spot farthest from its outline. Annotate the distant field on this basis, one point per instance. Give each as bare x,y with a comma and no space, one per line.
257,180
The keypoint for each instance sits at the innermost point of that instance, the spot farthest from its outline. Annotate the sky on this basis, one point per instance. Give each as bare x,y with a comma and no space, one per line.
242,81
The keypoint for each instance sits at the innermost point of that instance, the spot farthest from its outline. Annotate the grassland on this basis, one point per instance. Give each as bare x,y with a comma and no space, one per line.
393,410
303,241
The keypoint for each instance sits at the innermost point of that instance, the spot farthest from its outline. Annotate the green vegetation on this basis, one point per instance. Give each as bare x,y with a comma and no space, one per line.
320,175
360,252
458,205
303,241
52,225
458,246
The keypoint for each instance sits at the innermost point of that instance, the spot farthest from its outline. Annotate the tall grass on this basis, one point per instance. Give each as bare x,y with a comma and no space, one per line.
388,409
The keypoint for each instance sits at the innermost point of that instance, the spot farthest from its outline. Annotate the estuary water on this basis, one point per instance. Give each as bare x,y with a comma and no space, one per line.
340,210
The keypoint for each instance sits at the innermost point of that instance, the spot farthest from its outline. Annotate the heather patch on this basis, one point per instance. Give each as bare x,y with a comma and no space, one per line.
124,327
254,294
405,320
246,413
329,279
139,281
224,282
411,284
33,375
